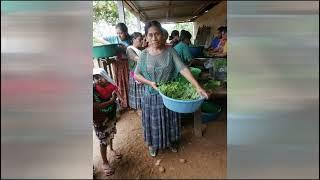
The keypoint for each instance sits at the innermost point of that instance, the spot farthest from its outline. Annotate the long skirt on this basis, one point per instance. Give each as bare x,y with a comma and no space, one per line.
121,72
161,126
105,126
136,92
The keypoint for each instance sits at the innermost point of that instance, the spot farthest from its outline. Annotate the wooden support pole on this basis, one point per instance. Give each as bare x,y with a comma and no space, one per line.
121,12
197,123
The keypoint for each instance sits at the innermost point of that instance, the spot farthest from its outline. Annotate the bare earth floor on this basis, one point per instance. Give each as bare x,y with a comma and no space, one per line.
205,156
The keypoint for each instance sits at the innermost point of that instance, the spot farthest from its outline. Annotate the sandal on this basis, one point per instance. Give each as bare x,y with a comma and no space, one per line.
173,148
152,152
108,171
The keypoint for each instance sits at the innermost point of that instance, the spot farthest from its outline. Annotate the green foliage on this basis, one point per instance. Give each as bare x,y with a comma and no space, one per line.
105,11
184,26
180,90
211,85
220,63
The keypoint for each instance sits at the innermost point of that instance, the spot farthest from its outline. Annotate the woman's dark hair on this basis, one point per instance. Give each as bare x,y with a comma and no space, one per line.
220,29
173,34
150,24
182,31
122,27
185,35
224,29
165,33
135,35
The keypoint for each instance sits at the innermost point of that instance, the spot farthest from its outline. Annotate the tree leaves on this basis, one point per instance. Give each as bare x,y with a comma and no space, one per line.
105,11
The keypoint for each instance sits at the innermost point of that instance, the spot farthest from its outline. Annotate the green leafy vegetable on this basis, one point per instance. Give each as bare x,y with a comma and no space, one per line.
179,89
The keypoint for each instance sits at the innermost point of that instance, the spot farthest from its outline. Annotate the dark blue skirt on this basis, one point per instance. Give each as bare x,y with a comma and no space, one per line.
161,126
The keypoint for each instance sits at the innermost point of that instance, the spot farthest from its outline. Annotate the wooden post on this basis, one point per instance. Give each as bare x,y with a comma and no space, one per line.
121,11
197,123
138,24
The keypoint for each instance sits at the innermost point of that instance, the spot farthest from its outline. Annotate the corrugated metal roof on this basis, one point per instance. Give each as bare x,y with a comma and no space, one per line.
169,11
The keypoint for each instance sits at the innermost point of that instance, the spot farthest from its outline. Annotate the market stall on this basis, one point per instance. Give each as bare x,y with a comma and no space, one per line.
212,70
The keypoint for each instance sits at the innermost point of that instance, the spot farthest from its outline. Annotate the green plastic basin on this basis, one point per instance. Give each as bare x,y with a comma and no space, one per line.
105,51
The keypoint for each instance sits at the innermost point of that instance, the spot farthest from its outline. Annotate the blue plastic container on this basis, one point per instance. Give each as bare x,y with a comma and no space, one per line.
196,51
181,106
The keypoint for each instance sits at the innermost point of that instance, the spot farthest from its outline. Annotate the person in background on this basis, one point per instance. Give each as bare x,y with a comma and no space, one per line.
181,32
136,89
182,48
144,42
165,37
120,66
216,40
104,114
221,50
161,126
174,38
122,36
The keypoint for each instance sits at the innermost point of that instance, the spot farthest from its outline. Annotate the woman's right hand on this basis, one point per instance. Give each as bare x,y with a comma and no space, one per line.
154,85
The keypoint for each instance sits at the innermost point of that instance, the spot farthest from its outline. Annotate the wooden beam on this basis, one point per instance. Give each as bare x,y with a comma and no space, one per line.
131,6
205,4
153,8
171,19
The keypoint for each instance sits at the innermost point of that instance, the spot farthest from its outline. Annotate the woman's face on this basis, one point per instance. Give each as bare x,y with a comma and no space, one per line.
224,35
138,42
176,38
98,79
121,34
218,33
187,41
144,42
155,37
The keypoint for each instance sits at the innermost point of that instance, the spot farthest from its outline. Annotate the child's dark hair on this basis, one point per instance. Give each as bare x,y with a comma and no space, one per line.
173,34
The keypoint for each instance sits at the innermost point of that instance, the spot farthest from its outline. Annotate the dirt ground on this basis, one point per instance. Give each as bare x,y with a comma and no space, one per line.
205,156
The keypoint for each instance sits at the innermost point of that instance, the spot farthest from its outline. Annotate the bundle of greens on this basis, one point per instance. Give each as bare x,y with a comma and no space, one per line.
219,63
179,89
211,85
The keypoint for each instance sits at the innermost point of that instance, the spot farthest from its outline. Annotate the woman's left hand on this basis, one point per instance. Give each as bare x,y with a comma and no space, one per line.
202,92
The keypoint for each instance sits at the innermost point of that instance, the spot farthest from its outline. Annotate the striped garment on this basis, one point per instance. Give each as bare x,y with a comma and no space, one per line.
161,126
136,92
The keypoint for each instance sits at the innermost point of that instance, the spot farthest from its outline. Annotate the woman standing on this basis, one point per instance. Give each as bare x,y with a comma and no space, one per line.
182,47
136,89
121,67
104,114
161,126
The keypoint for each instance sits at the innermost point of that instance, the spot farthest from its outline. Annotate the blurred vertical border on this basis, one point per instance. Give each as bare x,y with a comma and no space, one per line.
273,89
46,94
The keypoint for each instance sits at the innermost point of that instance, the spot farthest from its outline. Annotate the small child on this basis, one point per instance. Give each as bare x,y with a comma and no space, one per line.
105,93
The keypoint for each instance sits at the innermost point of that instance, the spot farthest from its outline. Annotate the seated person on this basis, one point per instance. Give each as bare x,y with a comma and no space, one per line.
221,50
216,40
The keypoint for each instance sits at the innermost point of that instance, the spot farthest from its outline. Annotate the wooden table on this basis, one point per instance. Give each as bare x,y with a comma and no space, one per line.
198,127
